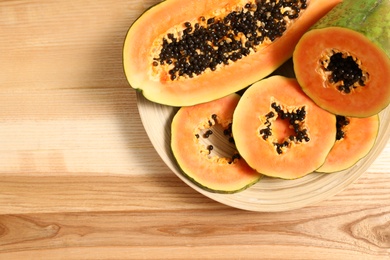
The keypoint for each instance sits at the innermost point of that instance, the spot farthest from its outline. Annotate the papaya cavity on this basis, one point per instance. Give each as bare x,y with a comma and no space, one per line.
215,140
284,127
220,38
342,70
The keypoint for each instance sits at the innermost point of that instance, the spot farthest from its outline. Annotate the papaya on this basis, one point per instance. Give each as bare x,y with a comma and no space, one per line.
280,131
355,138
182,53
343,61
203,146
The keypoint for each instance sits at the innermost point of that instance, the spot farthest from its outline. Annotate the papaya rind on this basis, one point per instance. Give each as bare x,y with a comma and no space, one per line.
197,90
208,174
360,143
366,101
300,160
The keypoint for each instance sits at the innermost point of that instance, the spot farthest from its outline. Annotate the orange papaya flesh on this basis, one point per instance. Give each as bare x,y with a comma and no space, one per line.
280,131
343,62
202,145
354,140
218,68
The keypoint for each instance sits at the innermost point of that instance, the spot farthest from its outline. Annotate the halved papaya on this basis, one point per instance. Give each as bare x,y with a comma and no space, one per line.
182,53
343,63
203,147
354,139
280,131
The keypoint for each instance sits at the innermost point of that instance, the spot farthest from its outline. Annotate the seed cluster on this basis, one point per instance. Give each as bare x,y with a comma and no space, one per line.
217,41
341,122
295,120
208,133
345,70
227,132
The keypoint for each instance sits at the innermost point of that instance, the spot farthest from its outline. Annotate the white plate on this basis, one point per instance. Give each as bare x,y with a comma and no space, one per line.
269,194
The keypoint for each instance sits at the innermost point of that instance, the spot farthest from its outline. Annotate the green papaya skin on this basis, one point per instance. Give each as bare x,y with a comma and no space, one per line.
369,17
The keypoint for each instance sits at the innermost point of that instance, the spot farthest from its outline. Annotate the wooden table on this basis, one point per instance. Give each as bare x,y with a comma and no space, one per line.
80,178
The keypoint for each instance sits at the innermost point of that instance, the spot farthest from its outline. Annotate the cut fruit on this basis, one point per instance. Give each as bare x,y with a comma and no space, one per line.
182,53
202,144
280,131
354,140
343,63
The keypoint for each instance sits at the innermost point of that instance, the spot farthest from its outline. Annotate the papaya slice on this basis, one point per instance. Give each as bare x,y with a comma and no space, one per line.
202,144
343,63
280,131
182,53
354,139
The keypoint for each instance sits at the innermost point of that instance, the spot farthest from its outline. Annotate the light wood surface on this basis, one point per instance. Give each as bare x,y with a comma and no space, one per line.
81,180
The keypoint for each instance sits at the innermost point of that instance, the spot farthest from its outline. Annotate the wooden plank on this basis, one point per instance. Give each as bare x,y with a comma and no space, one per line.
157,189
351,231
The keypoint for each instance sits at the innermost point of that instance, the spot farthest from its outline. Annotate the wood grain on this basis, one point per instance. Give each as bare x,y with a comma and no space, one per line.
310,233
79,178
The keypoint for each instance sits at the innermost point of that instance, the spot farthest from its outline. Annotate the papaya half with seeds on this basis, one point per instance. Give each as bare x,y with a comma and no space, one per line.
280,131
202,144
354,139
182,53
343,62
